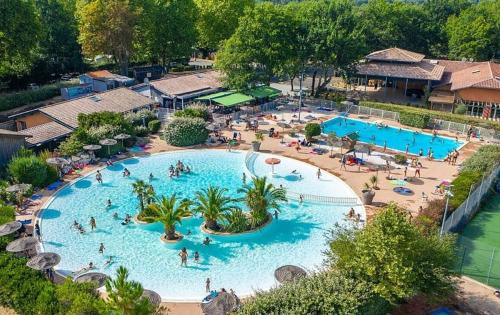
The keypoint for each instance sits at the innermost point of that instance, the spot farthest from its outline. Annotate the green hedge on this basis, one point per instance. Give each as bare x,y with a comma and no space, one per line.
417,120
194,111
461,187
435,114
13,100
184,131
322,293
32,170
154,125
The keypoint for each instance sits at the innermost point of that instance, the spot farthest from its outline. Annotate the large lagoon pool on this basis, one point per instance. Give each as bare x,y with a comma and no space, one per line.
244,263
395,138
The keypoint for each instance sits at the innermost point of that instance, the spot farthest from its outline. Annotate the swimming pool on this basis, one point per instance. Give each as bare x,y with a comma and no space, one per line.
395,138
245,262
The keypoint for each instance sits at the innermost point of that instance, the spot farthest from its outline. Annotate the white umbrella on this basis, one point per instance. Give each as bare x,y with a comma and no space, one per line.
96,278
92,147
289,273
10,227
122,137
44,261
152,296
18,188
57,161
22,244
108,143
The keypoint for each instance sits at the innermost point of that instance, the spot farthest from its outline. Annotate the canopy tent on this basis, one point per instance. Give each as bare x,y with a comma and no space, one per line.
233,99
214,95
263,92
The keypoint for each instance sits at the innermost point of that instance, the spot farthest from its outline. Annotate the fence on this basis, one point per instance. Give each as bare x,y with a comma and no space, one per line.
466,211
488,134
478,261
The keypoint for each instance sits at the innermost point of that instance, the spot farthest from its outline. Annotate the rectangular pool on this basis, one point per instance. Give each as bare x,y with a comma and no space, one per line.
395,138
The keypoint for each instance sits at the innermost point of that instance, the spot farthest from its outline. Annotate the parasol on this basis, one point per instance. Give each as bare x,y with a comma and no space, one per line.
122,137
272,162
92,147
22,244
96,278
18,188
152,296
57,161
75,158
389,159
222,304
289,273
9,228
362,148
44,261
108,143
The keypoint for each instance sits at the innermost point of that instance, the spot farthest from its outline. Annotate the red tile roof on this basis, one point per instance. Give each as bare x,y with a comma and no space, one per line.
395,54
481,75
100,74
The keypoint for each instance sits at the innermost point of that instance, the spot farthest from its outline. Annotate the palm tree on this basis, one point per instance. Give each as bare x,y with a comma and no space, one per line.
261,197
139,188
167,212
125,297
149,194
214,205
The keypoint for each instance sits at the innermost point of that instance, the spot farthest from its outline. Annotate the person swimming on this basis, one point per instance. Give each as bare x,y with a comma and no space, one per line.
108,262
126,172
127,219
151,177
115,215
108,203
196,256
207,241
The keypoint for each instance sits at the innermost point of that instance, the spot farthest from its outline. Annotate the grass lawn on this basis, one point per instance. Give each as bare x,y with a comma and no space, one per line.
480,244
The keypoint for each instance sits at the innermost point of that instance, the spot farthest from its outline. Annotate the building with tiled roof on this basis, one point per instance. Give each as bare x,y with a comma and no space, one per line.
176,92
474,84
103,80
400,69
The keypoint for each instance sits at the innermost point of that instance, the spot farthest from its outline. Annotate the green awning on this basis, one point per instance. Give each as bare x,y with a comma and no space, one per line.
264,91
214,95
233,99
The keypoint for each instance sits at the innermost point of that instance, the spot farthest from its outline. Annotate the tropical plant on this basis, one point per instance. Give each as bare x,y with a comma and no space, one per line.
144,192
194,111
183,131
259,136
237,221
214,205
168,212
125,297
400,159
374,181
261,197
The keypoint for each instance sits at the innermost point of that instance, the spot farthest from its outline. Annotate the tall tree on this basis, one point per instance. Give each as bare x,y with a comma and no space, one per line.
125,296
20,31
217,21
61,51
108,27
262,43
475,32
167,29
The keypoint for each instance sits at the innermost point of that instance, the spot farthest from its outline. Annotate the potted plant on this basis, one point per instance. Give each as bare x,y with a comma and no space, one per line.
368,194
259,137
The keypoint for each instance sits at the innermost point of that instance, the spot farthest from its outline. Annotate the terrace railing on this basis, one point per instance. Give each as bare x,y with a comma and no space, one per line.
341,201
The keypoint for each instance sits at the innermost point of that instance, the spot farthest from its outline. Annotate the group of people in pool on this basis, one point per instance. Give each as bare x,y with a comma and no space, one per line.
178,169
183,254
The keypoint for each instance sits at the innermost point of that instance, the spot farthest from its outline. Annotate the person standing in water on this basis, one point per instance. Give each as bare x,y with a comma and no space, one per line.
98,177
244,178
101,248
92,223
207,285
184,256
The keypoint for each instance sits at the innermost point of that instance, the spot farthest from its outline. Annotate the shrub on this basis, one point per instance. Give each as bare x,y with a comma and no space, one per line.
7,214
71,145
237,222
28,170
483,160
460,109
154,125
462,185
418,120
430,218
400,159
105,131
194,111
312,130
186,131
137,118
141,131
323,293
469,120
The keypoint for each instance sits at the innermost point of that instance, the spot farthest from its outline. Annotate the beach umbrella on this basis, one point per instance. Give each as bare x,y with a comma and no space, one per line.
289,273
222,304
92,147
10,227
22,244
122,137
96,278
152,296
108,143
362,148
212,127
44,261
377,168
18,188
272,162
283,125
75,158
57,161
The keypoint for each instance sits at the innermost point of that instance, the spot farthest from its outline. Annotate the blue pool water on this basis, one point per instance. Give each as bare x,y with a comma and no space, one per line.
396,139
244,263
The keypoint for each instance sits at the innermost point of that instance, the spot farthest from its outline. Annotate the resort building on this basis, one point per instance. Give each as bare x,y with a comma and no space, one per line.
104,80
52,123
474,84
404,76
10,142
177,92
